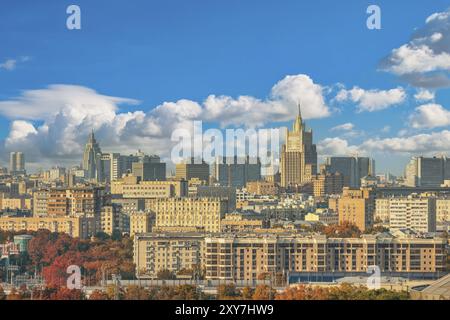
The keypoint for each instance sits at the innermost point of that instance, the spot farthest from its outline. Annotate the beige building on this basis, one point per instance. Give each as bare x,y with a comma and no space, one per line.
357,206
413,212
131,187
322,217
20,203
189,212
443,210
262,188
172,251
140,222
236,222
112,220
40,200
247,256
77,227
298,155
327,184
382,209
83,201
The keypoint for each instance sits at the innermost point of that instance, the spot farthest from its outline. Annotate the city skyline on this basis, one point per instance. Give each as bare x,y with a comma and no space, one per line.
378,93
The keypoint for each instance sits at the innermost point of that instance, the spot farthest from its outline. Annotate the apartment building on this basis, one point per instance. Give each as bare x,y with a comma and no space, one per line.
113,220
247,256
189,212
132,187
357,206
77,227
140,222
413,212
170,251
67,202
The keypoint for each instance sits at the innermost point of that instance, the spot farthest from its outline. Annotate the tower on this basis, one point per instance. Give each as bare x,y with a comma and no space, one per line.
298,154
92,158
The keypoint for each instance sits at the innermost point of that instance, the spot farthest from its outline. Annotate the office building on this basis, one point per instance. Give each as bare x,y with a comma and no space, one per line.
17,163
353,169
236,172
150,168
427,172
191,170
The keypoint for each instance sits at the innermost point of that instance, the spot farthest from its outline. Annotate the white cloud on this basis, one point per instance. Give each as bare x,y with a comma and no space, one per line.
11,64
67,113
335,147
417,144
430,116
8,65
425,60
424,95
344,127
372,100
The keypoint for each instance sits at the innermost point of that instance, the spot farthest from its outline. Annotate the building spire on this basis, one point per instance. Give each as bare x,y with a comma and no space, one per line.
300,109
298,124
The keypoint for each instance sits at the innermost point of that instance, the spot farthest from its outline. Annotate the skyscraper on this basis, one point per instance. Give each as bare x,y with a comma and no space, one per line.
352,168
427,172
236,172
16,163
92,159
298,155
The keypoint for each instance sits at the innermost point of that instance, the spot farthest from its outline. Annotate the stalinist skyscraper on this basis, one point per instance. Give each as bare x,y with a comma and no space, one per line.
91,159
298,155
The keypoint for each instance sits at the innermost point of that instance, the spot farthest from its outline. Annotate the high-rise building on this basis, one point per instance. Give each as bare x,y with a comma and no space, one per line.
92,159
413,212
357,206
150,168
298,155
327,184
16,163
236,172
352,168
190,170
427,172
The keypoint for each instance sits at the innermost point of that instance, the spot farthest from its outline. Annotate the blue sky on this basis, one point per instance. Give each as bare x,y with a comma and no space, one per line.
164,51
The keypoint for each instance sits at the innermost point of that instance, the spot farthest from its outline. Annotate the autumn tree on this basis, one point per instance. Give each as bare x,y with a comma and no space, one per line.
264,292
227,292
98,295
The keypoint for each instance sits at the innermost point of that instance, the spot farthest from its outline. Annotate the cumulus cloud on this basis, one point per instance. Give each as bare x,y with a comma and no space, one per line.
430,116
429,143
424,95
425,60
53,123
425,144
372,100
335,147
